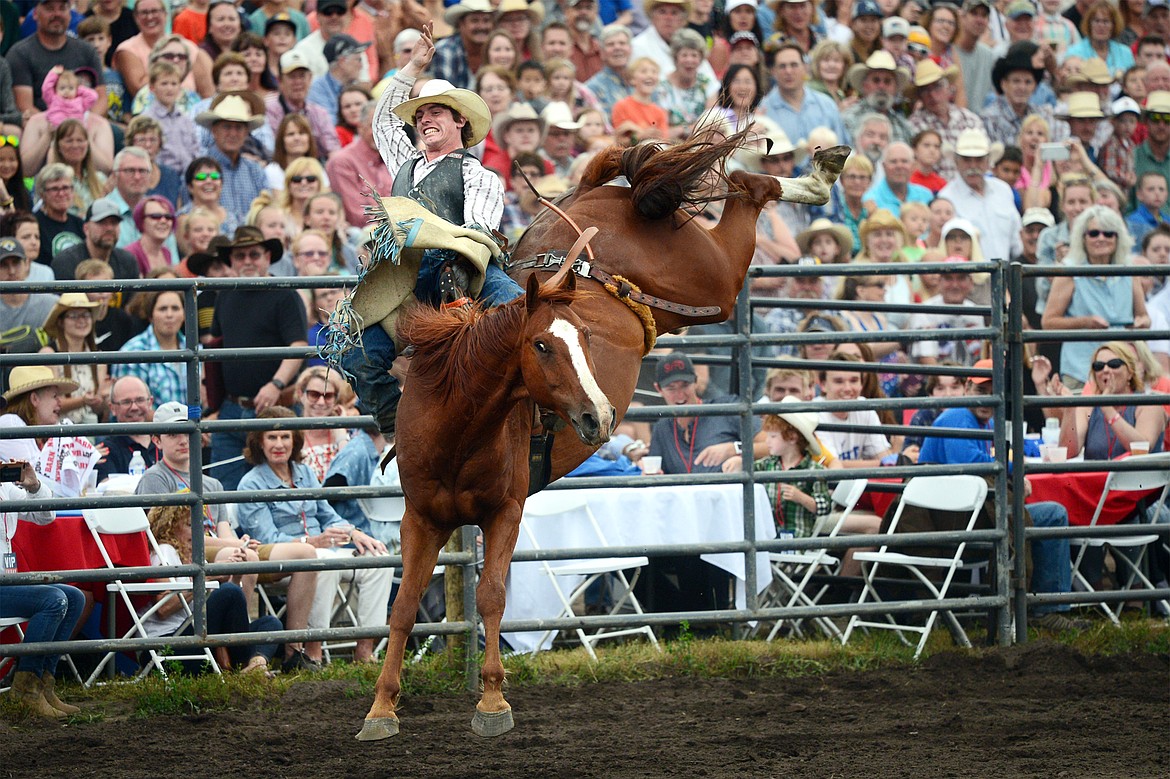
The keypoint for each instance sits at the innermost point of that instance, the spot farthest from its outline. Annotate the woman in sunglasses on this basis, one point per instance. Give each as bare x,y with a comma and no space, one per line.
294,139
14,195
204,180
303,178
319,392
155,219
1097,237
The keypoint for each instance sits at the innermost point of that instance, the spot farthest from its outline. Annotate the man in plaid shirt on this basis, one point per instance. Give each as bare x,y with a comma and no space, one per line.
458,57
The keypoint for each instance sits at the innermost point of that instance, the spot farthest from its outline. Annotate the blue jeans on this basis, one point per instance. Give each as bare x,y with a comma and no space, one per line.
227,612
370,365
225,446
52,611
1051,564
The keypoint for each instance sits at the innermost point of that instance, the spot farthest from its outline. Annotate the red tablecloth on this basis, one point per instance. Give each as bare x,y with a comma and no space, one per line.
1080,493
1077,492
66,544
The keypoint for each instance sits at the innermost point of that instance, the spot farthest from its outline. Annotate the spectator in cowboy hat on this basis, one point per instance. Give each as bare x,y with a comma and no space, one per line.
559,137
1018,78
934,87
34,398
231,116
987,202
458,57
880,82
1116,157
826,241
1084,116
1154,152
773,154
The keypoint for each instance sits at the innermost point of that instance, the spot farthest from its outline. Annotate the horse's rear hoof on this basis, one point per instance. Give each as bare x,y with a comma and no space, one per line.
489,725
378,728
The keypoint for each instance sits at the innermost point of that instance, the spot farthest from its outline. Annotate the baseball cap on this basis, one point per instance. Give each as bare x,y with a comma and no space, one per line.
984,365
820,324
293,60
675,366
894,26
1017,8
10,247
731,5
102,208
341,46
323,4
742,36
969,5
1038,216
1125,105
1152,5
172,411
867,8
284,17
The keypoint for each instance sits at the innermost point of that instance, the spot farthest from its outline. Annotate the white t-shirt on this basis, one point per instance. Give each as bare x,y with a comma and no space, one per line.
857,444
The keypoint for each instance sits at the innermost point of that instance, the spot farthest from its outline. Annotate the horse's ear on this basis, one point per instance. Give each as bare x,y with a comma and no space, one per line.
532,292
569,282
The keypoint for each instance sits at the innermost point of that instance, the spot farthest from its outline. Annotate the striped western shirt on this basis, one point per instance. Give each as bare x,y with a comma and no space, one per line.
483,193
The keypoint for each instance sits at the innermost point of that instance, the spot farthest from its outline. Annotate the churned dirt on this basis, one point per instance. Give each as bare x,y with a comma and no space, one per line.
1039,710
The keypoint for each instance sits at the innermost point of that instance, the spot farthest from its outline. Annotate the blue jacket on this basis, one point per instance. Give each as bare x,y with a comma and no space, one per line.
955,451
271,522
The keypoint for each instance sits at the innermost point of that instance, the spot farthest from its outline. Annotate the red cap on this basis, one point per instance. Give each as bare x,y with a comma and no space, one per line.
982,365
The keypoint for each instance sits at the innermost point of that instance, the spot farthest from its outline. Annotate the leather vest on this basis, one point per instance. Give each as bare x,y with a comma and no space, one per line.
440,191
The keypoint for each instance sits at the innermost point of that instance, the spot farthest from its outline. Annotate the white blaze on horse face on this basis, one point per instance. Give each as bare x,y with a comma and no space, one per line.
564,330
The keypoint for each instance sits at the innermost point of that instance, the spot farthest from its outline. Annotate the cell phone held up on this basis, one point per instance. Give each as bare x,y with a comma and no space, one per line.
1053,152
10,472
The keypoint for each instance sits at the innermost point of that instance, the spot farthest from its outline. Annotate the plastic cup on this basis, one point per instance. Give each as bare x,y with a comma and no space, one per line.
1139,447
1057,454
651,465
1044,452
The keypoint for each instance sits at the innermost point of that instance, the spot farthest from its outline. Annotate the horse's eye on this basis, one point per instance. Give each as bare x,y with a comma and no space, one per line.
541,347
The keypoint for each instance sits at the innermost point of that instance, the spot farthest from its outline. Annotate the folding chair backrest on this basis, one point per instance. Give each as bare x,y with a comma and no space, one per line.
946,493
116,522
559,513
846,494
1134,481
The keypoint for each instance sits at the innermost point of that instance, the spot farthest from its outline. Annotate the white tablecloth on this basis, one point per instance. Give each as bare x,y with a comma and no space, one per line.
637,517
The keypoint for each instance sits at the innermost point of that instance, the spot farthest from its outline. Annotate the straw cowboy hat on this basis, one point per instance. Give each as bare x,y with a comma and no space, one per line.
1093,71
839,233
879,60
464,102
1158,102
649,5
517,112
248,236
559,115
237,106
27,378
928,72
535,11
1082,105
805,423
769,140
882,219
465,7
69,300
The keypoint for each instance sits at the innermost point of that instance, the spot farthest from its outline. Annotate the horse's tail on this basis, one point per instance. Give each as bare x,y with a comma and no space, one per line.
663,179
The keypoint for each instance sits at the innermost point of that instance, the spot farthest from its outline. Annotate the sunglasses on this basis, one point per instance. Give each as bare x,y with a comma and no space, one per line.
160,217
1113,364
316,397
1099,233
213,176
303,179
1156,117
9,140
334,11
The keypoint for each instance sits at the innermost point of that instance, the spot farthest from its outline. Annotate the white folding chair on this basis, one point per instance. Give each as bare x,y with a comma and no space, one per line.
790,565
1124,481
541,511
123,521
935,493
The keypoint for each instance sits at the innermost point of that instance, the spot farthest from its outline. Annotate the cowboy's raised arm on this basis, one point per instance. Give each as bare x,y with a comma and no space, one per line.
389,136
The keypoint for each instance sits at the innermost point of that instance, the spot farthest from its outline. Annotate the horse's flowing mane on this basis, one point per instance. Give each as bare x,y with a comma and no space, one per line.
665,178
456,350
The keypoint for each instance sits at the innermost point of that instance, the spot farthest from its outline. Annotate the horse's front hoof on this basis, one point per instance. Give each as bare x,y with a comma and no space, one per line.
378,728
489,725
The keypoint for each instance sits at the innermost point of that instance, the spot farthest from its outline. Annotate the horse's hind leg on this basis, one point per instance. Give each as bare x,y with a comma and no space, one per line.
421,543
493,715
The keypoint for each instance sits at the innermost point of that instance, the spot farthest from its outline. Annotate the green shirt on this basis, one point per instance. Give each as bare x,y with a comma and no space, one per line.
790,515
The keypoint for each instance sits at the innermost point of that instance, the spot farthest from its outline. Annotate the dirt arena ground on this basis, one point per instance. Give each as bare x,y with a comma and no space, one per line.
1041,710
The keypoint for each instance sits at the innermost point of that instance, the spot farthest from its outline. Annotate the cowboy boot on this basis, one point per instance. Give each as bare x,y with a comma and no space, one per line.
49,688
454,281
30,689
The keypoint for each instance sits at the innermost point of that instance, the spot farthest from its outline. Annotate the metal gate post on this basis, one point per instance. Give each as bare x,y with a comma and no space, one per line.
743,327
999,386
198,555
1017,356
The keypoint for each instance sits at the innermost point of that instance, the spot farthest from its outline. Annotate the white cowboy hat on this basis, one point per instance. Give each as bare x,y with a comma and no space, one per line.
26,378
975,143
879,60
535,11
764,130
805,423
463,101
560,116
230,107
465,7
840,233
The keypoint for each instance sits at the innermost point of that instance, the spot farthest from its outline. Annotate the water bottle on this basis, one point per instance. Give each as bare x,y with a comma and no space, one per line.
1050,435
137,465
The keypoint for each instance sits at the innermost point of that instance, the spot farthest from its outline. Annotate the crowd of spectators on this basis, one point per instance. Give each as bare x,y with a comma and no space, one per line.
237,139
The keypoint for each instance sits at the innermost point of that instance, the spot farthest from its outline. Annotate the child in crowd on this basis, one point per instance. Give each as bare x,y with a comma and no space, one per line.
325,212
793,445
1051,28
916,220
533,85
1007,169
65,97
1116,158
180,139
95,31
857,447
927,146
594,134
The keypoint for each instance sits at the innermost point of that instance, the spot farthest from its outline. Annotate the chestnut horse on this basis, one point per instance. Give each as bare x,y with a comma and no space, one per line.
473,386
476,378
